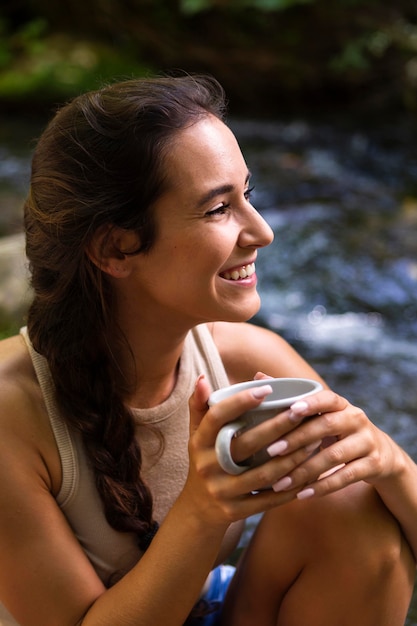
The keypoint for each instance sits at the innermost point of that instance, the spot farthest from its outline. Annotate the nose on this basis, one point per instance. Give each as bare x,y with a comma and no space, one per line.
255,232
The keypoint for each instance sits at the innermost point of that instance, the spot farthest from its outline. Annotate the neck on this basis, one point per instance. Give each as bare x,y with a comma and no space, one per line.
155,385
152,363
155,337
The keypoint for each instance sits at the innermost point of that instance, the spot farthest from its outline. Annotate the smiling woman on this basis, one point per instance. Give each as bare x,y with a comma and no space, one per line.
205,215
142,243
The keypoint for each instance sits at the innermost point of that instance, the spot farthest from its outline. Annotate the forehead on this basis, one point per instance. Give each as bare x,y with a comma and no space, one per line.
204,155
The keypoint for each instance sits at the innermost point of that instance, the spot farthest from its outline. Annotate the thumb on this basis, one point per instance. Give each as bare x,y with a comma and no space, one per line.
198,402
261,376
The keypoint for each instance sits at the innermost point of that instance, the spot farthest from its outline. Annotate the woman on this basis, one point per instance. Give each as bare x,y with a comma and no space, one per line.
142,244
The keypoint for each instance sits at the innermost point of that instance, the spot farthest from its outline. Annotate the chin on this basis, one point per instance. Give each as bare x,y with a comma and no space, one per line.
243,314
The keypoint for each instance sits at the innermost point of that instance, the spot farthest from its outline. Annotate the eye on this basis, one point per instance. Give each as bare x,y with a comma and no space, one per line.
219,210
248,192
223,207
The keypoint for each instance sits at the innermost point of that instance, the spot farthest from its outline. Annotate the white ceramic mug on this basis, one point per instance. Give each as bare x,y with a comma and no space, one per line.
285,391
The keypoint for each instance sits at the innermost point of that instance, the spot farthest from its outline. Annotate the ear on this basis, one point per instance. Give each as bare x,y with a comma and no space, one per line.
106,247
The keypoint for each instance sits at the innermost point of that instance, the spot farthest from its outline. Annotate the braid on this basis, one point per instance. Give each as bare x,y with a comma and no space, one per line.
88,386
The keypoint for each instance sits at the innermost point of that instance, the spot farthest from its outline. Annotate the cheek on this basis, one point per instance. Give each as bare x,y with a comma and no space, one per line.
200,255
203,254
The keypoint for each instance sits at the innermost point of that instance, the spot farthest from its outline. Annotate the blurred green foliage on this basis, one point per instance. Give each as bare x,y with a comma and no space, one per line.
8,328
37,64
195,6
270,55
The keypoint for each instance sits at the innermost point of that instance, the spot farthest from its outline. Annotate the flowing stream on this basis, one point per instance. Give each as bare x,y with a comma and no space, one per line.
340,279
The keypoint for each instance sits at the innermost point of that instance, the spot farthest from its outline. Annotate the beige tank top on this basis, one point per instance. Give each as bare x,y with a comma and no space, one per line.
112,553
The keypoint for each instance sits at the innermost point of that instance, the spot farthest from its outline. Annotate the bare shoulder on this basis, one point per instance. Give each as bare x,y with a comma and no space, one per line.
17,379
26,436
42,561
246,349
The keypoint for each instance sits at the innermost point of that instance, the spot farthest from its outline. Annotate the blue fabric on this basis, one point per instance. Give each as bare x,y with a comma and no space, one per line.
213,599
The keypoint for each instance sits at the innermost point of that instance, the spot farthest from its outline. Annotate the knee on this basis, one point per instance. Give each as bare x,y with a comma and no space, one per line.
353,522
356,524
345,555
344,549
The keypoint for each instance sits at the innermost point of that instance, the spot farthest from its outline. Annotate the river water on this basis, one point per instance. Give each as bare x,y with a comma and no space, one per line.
340,279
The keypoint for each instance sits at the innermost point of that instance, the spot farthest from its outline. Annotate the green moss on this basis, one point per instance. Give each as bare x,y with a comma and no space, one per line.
58,67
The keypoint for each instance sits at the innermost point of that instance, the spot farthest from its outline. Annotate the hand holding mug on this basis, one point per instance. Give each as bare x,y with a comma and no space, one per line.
285,392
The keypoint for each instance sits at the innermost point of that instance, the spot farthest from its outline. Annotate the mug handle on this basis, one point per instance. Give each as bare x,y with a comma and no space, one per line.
222,447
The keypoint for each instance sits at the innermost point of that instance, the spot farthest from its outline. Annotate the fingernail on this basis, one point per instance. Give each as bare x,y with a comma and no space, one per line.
201,377
306,493
313,446
260,376
282,484
298,410
277,448
261,392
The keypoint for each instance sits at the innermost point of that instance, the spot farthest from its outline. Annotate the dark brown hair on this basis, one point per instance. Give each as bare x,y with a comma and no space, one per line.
99,162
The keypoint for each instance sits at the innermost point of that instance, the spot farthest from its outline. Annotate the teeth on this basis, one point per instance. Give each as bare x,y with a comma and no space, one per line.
243,272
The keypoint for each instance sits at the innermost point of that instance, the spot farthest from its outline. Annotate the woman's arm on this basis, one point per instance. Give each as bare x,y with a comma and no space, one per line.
359,449
246,349
399,493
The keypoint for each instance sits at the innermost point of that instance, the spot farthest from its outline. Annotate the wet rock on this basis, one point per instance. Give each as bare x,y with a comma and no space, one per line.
14,292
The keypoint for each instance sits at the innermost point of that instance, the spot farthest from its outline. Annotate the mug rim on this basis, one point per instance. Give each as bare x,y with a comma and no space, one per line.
230,390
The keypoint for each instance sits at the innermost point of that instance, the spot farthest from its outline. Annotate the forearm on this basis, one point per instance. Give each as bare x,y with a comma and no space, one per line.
163,587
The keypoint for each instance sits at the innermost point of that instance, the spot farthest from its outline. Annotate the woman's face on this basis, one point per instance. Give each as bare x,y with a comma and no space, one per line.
202,264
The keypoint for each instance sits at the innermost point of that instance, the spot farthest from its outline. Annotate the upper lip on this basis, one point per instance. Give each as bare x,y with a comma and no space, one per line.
238,267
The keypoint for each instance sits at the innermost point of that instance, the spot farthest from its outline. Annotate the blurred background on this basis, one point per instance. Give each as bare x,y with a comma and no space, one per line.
323,99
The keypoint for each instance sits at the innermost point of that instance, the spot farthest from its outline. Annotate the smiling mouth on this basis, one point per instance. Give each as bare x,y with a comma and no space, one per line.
243,272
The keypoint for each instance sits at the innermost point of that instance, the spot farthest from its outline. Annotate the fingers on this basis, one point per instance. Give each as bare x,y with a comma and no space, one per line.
261,376
205,471
341,477
257,438
262,436
331,418
356,457
225,411
352,448
325,401
198,402
269,432
309,457
270,474
283,433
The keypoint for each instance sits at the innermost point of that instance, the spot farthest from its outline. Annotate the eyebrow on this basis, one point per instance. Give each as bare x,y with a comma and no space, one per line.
217,191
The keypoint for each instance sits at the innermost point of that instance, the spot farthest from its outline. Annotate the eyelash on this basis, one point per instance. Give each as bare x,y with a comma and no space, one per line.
223,208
